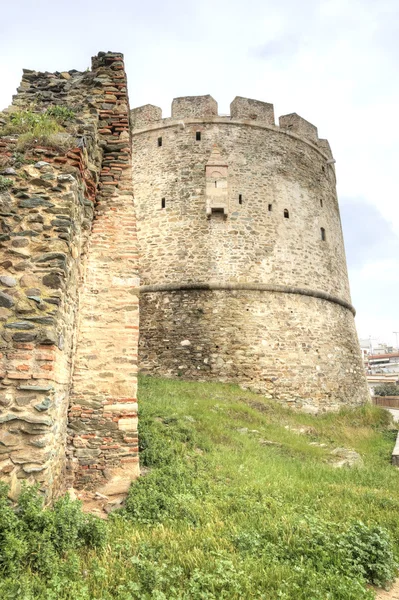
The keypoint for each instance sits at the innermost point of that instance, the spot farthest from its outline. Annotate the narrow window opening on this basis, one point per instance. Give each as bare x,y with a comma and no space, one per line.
198,136
163,203
286,214
216,183
159,142
270,207
323,234
239,198
321,202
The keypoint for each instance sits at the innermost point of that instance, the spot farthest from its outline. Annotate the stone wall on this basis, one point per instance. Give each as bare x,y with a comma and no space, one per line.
271,171
103,413
47,216
277,231
298,349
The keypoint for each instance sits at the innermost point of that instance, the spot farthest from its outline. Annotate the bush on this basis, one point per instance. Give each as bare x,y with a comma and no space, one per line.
36,538
361,552
370,552
386,389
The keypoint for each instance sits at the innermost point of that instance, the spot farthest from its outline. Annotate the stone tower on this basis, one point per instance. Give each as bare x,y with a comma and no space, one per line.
242,261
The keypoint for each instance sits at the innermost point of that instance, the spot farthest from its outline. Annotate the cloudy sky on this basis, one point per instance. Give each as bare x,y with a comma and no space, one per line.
335,62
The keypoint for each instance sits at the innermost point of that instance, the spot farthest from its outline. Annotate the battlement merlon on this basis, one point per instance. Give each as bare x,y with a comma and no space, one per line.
293,123
251,111
325,148
145,115
194,106
254,110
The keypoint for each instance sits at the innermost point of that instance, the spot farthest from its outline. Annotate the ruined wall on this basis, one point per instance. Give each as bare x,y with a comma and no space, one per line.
103,413
261,231
47,214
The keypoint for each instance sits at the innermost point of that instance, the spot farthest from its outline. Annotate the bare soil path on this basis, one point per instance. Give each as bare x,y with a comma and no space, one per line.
393,593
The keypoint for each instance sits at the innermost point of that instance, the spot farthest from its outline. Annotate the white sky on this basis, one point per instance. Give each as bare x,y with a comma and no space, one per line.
335,62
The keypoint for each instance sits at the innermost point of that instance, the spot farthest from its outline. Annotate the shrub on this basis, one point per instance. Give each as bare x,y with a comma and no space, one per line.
370,553
362,552
386,389
36,538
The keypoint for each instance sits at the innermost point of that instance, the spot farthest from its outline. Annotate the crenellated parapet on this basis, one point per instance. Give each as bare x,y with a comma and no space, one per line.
245,111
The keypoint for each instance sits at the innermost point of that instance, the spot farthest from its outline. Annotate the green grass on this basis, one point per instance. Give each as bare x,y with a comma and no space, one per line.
220,514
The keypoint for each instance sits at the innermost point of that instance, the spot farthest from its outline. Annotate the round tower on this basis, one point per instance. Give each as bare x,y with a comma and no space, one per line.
242,261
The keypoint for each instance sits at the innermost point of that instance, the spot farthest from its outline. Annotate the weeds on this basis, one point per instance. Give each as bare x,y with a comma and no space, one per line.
44,128
5,183
36,539
62,114
220,515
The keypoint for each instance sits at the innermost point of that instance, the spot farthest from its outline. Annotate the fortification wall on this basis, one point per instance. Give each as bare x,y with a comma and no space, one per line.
298,349
46,253
103,412
271,223
271,172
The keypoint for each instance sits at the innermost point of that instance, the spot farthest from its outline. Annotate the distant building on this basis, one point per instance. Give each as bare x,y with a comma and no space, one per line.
368,347
383,363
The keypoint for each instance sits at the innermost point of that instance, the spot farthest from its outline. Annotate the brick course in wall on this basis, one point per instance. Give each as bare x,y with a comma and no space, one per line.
103,413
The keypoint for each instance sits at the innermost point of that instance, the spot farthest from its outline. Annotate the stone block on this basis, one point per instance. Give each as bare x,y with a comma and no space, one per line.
194,106
296,124
252,110
120,407
128,424
145,115
119,479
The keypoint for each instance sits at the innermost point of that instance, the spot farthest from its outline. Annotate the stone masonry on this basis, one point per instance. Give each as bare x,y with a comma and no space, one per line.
68,265
242,261
242,269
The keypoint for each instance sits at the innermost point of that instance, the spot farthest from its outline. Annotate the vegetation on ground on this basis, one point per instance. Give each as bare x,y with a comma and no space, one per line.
240,499
34,126
386,389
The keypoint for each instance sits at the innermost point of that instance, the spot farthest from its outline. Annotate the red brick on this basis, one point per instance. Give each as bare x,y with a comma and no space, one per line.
14,375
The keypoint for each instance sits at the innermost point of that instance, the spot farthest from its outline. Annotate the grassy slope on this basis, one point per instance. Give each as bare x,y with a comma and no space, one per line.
222,515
